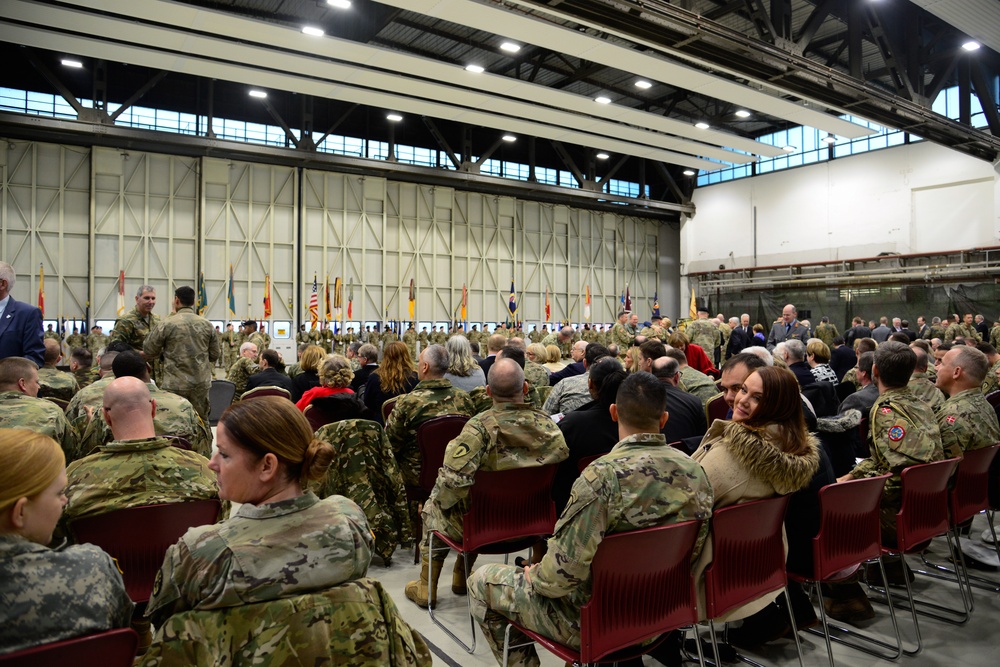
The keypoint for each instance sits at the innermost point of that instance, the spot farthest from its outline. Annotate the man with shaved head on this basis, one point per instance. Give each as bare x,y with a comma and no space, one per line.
512,434
53,382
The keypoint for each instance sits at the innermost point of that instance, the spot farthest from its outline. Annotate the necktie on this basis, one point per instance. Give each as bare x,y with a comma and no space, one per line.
788,327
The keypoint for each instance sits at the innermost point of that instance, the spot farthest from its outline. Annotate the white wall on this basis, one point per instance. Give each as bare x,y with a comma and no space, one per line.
920,198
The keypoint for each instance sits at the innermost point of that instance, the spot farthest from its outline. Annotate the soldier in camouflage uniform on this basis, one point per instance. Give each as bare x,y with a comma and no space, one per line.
365,471
922,382
186,343
52,334
54,382
693,381
302,336
563,339
424,338
137,468
326,338
410,341
991,382
231,341
967,421
20,407
995,337
47,595
936,330
136,325
704,334
75,340
620,336
96,341
512,434
81,368
432,397
244,367
826,332
642,483
966,329
574,392
250,334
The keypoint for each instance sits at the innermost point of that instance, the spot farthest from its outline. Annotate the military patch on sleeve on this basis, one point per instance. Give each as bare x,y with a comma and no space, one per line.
157,583
460,451
886,410
897,433
950,419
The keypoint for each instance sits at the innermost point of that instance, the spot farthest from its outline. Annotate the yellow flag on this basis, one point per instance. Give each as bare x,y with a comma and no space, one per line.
693,311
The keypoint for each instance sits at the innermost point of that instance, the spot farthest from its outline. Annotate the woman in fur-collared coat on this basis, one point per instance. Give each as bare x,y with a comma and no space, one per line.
765,451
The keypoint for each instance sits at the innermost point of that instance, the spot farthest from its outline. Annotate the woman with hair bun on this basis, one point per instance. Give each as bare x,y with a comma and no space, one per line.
47,595
284,541
335,377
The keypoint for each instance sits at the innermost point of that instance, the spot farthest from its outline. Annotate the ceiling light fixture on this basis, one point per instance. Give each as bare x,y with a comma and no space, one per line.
742,113
971,45
602,156
642,83
510,47
76,64
689,172
339,4
509,138
259,94
394,117
601,99
829,139
475,69
702,125
312,31
789,149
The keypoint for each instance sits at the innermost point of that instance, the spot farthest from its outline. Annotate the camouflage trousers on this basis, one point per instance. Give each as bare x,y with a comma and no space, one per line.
230,355
447,522
198,397
500,592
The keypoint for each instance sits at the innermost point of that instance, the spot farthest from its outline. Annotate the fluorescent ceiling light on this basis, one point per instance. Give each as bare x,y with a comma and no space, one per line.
702,125
259,94
339,4
72,63
829,139
312,31
689,172
602,156
509,138
970,45
789,149
742,113
475,69
601,99
394,117
642,83
510,47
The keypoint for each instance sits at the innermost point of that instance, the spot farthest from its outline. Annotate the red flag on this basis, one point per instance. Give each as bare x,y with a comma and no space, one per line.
121,292
267,296
548,306
41,288
628,299
326,301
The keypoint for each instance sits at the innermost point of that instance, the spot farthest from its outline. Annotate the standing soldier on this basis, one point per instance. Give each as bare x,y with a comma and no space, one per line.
53,334
302,336
250,335
826,332
75,340
620,335
137,323
410,340
703,333
96,342
231,341
326,336
315,337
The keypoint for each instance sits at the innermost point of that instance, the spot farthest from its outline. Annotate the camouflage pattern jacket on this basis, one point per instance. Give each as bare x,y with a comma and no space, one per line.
967,422
51,595
992,382
19,410
924,389
704,334
133,328
621,337
569,394
313,544
536,374
91,396
240,372
187,344
697,383
56,384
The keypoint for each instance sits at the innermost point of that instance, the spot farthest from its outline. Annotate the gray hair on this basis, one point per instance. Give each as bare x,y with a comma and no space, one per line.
246,346
460,361
143,289
7,273
795,350
760,352
436,357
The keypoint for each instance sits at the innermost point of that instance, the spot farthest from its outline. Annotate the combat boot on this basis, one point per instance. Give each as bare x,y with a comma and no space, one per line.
459,577
419,591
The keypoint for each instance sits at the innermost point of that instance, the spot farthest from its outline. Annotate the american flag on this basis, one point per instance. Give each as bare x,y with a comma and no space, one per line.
314,303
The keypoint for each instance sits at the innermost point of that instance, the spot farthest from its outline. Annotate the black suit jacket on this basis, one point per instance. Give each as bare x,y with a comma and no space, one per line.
21,332
802,373
856,333
686,415
575,368
270,378
361,377
486,364
842,359
739,340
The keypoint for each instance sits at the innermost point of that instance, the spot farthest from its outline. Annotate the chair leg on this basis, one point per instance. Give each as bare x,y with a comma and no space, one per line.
715,642
795,629
507,646
430,608
960,575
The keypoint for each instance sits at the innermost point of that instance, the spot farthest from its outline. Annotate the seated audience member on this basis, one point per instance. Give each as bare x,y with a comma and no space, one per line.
53,382
633,359
395,376
352,354
991,382
88,400
81,362
693,381
650,351
765,451
291,370
536,374
367,363
48,595
865,398
686,412
432,397
266,457
795,357
555,361
758,333
21,408
310,361
861,346
334,378
512,434
967,421
574,392
921,384
696,357
536,354
138,467
842,357
463,371
244,366
642,483
474,346
818,358
493,345
576,367
271,373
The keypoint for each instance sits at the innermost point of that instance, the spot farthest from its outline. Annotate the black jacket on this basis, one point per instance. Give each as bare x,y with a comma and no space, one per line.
270,378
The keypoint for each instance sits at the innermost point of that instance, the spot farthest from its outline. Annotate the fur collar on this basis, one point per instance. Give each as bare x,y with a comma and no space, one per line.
753,449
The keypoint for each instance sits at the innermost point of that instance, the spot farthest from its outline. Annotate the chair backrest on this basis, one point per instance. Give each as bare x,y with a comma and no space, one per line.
257,392
586,461
220,397
863,434
641,587
849,531
970,494
508,506
748,554
716,408
924,512
845,389
114,648
433,437
387,407
138,537
993,398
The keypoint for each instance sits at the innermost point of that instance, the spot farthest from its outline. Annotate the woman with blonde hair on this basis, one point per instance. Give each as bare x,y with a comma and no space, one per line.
48,595
633,360
283,541
396,375
536,352
335,377
310,361
555,360
818,358
464,372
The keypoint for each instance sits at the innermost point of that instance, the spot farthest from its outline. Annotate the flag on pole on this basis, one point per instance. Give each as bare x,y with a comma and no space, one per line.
693,309
202,294
338,295
267,295
232,294
465,305
586,305
548,306
656,305
628,299
41,288
412,300
512,303
621,300
350,299
328,312
314,303
121,292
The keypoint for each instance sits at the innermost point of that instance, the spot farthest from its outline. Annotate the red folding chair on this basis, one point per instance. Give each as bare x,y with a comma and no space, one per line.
258,392
387,407
586,461
138,537
849,535
509,510
993,398
923,516
716,408
748,560
641,588
114,648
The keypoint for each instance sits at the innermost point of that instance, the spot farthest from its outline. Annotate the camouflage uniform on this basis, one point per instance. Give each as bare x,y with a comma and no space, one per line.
133,329
91,396
641,483
75,340
315,337
902,432
725,331
19,410
430,398
231,341
991,383
54,335
95,343
240,372
995,337
536,374
704,334
354,624
924,389
569,394
511,435
621,337
826,333
481,401
935,331
56,383
132,473
313,544
175,416
967,422
697,383
439,338
966,331
187,344
365,471
852,376
50,595
410,341
258,339
302,337
85,377
565,348
326,340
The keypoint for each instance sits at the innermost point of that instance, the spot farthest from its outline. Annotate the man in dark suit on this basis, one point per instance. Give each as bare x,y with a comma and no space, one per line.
904,327
368,360
922,328
271,374
686,413
882,331
741,336
494,344
21,332
842,358
857,332
795,355
577,367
